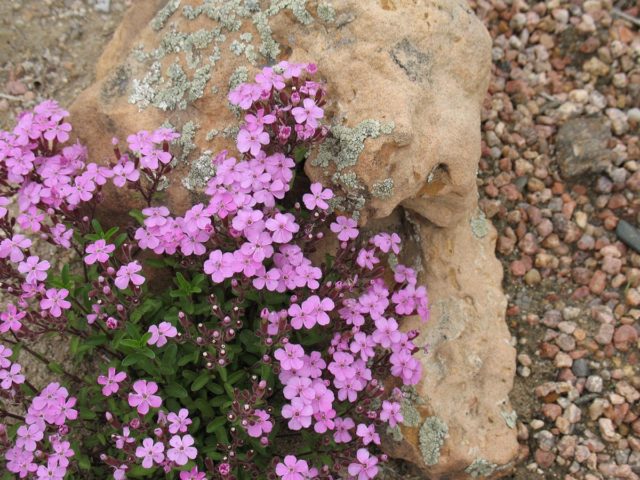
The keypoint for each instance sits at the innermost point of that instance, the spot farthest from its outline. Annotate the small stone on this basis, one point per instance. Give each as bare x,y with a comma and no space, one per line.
582,146
566,342
572,413
598,282
625,337
607,430
632,297
524,359
581,367
629,235
536,424
627,391
544,459
532,277
594,384
563,360
605,334
597,408
551,411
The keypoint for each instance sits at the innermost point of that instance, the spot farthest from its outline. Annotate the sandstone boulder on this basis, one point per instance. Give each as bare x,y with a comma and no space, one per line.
406,79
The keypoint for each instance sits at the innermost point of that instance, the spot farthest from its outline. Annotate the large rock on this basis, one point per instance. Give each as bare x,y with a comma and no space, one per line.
406,79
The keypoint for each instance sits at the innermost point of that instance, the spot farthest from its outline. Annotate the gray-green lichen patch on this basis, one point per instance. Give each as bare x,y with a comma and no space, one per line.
116,84
431,437
164,14
410,415
479,225
481,468
326,12
346,144
415,63
382,189
510,418
240,75
186,140
200,173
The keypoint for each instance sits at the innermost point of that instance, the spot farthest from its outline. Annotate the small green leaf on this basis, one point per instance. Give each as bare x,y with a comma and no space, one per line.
200,381
176,390
216,423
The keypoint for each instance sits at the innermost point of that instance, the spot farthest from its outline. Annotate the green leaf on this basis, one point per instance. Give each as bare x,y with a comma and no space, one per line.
176,390
299,154
83,461
216,423
96,226
55,368
138,215
132,359
200,381
222,371
130,343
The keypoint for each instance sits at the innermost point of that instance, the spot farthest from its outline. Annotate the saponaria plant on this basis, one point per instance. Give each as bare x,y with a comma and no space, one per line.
270,355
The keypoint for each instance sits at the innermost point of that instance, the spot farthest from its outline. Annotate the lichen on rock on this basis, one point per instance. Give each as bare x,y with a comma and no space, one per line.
200,172
481,468
431,436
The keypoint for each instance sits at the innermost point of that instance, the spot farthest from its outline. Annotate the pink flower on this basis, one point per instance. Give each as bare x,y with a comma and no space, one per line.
291,357
29,436
98,252
311,312
144,397
111,381
368,434
317,198
309,112
59,132
52,471
345,228
120,473
406,367
160,333
283,226
391,413
152,159
150,452
193,474
123,173
62,235
55,301
179,422
35,270
10,319
367,259
259,424
4,202
366,468
299,414
5,353
182,450
13,247
386,332
221,266
251,141
11,376
129,273
292,469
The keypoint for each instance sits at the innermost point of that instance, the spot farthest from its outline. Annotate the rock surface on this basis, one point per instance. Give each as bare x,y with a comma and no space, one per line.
405,116
582,146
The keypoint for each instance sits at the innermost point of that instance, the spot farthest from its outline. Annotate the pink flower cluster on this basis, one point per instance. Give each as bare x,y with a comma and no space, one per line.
250,239
169,446
40,448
